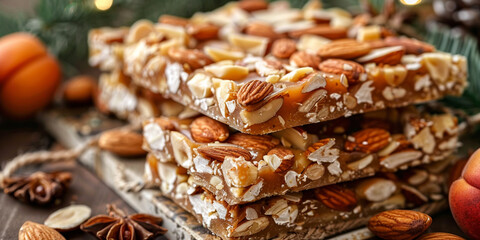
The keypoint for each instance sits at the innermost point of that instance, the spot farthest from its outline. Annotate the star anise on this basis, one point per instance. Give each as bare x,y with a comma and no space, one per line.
117,225
39,187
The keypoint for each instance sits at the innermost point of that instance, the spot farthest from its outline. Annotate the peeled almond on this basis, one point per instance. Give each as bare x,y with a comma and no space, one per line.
68,218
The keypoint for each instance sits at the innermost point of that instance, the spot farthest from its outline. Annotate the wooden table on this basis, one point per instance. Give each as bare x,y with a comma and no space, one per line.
86,188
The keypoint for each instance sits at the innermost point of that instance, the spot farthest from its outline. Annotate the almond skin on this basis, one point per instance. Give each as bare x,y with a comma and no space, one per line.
193,57
122,142
439,236
283,48
399,224
203,31
412,46
344,49
207,130
36,231
253,142
218,153
304,59
368,140
261,30
337,197
352,70
253,92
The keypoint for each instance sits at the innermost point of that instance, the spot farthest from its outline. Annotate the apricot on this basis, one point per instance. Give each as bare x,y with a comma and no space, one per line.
28,75
30,88
464,198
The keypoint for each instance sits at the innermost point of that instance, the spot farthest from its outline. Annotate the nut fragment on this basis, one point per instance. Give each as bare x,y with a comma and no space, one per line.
376,189
207,130
204,31
280,159
344,49
352,70
304,59
36,231
296,75
298,137
314,171
263,114
251,44
397,159
182,150
173,20
399,224
388,55
368,140
122,142
68,218
220,152
337,197
193,57
325,31
218,54
261,30
238,172
412,46
253,92
283,48
254,142
250,227
140,29
200,85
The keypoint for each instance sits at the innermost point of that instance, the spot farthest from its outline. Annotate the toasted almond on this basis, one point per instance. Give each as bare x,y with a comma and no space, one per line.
399,224
286,158
304,59
412,46
68,218
439,236
253,5
36,231
344,49
219,153
203,31
207,130
254,142
350,69
194,58
253,92
283,48
321,30
173,20
261,30
388,55
337,197
368,140
122,142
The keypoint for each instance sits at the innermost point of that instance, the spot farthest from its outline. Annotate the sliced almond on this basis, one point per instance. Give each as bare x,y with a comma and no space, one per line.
387,55
181,149
296,75
251,44
218,54
298,137
224,90
250,227
397,159
229,72
263,114
68,218
376,189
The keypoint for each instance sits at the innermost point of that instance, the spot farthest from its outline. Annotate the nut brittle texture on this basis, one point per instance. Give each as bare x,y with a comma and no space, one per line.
310,214
300,66
243,168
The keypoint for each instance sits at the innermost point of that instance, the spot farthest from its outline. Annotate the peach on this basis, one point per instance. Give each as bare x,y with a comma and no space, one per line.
464,198
30,88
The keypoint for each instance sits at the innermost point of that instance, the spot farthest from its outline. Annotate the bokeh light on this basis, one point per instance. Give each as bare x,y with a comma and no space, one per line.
103,4
410,2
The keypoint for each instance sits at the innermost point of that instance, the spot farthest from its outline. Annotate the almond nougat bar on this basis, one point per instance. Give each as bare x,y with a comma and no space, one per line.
310,214
240,168
271,69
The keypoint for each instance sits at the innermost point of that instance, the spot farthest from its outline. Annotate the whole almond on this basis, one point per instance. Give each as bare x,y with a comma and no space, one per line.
286,155
218,153
173,20
399,224
36,231
122,142
321,30
344,49
207,130
253,142
204,31
261,30
368,140
412,46
253,5
389,55
283,48
337,197
352,70
304,59
193,57
439,236
253,92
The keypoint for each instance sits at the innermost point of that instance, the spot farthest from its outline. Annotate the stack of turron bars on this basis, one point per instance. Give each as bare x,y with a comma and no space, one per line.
266,121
